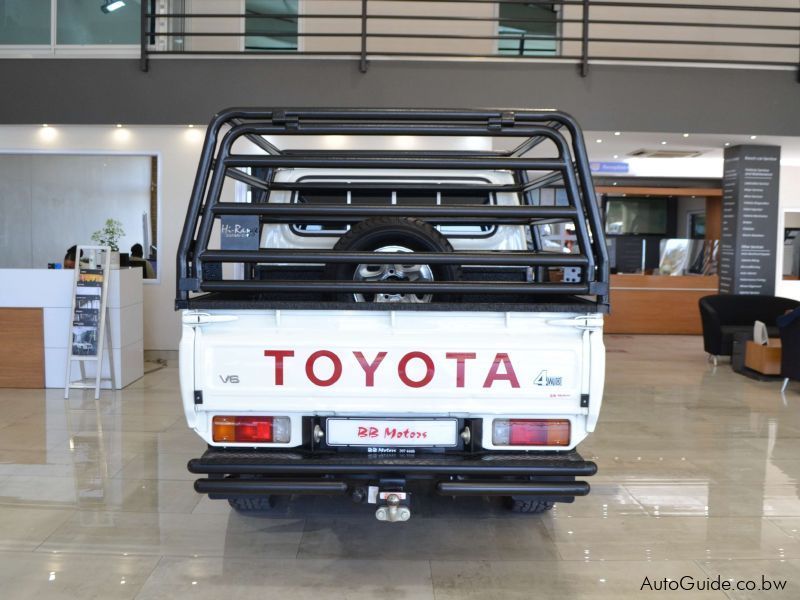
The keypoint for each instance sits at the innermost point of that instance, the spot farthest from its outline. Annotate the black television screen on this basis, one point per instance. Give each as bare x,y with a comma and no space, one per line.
636,216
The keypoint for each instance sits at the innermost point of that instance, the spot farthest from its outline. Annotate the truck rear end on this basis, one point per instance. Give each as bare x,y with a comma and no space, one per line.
432,312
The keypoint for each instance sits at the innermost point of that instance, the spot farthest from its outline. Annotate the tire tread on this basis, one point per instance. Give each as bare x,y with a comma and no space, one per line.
529,504
249,504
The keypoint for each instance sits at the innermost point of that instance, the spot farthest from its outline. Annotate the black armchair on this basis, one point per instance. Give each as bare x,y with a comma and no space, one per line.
724,315
789,327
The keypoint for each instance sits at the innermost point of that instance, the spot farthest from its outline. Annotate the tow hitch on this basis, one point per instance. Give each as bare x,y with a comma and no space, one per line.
393,505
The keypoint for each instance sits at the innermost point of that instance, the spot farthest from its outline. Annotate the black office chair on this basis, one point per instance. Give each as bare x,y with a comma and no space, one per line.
789,327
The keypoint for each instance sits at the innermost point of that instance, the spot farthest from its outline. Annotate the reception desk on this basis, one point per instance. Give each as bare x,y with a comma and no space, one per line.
658,303
43,298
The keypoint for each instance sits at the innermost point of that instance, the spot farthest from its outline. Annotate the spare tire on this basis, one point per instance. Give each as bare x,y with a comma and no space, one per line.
396,235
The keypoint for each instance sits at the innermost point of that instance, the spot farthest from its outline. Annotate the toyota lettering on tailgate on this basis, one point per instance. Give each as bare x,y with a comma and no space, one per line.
414,369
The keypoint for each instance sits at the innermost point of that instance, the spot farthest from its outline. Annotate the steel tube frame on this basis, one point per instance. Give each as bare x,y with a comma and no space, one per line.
265,466
517,258
268,486
217,162
513,488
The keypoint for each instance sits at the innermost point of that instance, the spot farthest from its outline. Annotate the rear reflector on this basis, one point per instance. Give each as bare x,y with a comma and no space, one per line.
251,429
531,432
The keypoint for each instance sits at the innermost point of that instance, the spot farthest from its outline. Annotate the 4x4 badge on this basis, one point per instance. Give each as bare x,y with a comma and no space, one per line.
544,379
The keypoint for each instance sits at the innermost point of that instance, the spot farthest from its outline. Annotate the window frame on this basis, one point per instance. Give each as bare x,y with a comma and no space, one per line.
55,50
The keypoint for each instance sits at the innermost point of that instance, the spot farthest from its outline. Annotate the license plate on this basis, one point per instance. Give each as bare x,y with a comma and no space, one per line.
391,432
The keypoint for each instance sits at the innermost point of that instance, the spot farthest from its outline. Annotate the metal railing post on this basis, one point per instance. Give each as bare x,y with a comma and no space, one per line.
363,63
585,40
144,62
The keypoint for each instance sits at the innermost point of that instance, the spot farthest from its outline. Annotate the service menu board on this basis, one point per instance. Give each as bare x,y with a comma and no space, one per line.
749,220
86,318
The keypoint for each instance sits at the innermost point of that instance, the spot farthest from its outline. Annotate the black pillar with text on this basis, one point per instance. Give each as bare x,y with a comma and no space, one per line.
749,220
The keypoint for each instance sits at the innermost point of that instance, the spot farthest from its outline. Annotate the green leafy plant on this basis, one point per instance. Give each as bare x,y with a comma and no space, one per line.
109,235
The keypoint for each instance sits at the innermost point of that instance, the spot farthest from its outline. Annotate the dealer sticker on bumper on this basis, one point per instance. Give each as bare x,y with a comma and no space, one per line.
386,432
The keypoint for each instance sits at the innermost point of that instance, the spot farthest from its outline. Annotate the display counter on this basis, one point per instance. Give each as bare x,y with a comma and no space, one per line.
50,292
658,303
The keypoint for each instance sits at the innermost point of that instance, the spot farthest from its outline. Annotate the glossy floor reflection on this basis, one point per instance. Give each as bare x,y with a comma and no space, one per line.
699,478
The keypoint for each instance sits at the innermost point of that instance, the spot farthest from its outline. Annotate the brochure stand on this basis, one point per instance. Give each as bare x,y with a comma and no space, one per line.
88,334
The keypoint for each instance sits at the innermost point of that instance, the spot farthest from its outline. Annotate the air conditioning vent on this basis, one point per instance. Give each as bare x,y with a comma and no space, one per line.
643,153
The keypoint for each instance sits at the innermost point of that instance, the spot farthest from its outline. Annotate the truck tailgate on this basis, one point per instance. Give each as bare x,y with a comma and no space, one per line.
381,363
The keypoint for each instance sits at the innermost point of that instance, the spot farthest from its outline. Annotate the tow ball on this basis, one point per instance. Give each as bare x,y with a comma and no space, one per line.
394,511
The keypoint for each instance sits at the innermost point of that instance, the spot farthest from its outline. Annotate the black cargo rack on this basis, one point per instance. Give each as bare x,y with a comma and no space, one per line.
568,166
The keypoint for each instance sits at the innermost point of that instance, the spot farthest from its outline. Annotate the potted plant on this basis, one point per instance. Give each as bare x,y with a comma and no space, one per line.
109,236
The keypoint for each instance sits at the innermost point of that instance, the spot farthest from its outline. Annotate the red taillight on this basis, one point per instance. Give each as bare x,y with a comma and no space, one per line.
254,429
250,429
531,432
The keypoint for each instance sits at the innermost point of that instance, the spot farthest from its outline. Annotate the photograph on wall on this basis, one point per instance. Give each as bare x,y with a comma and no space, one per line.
84,340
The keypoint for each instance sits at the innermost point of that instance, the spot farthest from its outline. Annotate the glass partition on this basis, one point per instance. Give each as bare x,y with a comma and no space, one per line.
83,22
25,22
50,202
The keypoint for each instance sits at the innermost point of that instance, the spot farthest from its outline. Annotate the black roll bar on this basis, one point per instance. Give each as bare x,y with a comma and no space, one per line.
566,164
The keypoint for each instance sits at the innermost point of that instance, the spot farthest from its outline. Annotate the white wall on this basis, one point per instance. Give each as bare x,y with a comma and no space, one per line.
178,149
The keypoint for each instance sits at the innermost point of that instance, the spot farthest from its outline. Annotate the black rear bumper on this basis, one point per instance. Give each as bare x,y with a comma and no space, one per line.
236,472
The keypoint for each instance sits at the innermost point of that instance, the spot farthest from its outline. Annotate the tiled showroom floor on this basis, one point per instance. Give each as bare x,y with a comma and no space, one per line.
699,477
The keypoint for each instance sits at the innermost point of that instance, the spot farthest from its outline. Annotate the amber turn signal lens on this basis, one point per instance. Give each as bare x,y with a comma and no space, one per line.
224,429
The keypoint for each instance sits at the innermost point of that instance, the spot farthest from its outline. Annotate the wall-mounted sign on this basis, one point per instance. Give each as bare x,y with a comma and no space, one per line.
749,220
609,167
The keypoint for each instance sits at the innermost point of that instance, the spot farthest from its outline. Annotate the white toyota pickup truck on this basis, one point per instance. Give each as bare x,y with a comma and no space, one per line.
372,298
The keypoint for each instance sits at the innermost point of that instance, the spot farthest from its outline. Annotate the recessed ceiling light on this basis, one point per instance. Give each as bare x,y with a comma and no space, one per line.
685,135
191,126
119,125
727,143
616,156
48,133
617,133
663,143
752,137
45,125
110,6
599,141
